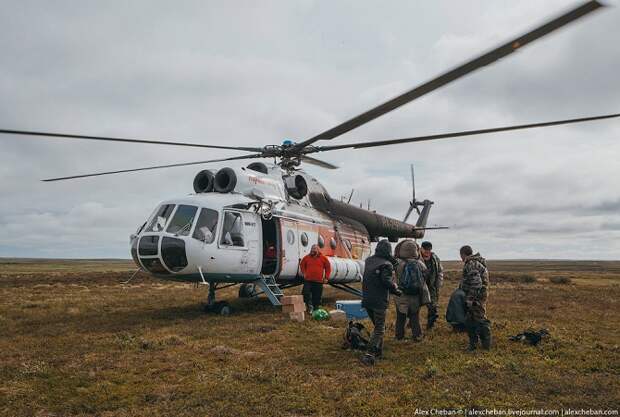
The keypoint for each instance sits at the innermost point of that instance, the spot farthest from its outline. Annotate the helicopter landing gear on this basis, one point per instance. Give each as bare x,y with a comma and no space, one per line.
247,291
217,307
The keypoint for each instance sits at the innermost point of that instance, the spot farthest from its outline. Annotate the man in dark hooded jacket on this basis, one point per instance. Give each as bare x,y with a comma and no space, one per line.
376,286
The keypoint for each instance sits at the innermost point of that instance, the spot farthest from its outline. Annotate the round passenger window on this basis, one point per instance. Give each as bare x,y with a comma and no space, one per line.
347,243
332,243
290,237
304,239
321,242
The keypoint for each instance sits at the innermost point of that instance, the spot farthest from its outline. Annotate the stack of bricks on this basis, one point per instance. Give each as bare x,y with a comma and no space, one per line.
294,306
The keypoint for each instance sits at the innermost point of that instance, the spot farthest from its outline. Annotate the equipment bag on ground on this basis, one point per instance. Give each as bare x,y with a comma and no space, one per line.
355,336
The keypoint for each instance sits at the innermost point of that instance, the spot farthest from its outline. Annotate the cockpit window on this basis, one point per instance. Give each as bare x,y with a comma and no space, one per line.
206,226
232,232
139,229
161,217
182,220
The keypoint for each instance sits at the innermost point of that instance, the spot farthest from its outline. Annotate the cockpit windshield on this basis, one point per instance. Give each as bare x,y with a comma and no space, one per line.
161,217
182,220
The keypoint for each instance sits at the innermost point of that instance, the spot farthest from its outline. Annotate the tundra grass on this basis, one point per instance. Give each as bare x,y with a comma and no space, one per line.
75,342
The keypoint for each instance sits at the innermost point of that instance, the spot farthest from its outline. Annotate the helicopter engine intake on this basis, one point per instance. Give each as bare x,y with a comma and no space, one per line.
225,180
204,181
296,186
250,181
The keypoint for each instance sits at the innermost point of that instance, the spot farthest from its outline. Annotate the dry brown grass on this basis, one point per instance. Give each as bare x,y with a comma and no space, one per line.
74,342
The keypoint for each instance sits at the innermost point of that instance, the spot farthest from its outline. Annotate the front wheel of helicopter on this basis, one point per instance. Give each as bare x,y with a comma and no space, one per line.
219,307
225,310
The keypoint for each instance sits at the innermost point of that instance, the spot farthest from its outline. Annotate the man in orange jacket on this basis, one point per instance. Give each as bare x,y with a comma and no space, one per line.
315,268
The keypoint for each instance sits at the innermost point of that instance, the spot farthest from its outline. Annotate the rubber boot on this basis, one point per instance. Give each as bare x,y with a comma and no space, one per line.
370,357
367,359
431,322
484,330
379,354
431,318
472,332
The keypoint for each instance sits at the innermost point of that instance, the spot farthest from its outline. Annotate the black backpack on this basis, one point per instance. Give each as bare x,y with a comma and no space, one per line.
355,336
410,281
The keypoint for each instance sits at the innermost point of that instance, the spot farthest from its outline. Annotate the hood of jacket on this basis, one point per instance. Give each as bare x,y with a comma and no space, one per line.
408,250
384,249
477,257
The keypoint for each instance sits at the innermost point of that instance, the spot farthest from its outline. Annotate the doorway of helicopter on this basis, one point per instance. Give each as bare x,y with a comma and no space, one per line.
271,247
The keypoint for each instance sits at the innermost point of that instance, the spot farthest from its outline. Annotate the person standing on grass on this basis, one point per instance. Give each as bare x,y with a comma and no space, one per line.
410,276
474,284
315,268
376,287
434,281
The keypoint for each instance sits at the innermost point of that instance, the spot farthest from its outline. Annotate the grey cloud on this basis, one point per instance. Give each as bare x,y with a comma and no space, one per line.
610,226
608,206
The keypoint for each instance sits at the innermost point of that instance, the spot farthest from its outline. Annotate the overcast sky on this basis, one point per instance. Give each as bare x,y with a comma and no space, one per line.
254,73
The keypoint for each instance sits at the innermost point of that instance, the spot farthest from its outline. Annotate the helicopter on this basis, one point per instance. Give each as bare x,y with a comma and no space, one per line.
251,226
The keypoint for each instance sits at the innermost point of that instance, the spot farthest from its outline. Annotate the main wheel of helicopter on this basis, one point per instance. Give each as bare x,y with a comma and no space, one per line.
219,307
247,290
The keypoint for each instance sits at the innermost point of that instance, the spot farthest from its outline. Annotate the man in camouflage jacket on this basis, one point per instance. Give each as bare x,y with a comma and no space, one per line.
475,283
434,281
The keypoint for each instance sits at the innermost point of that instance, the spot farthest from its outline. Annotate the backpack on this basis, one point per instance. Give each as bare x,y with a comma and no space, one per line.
410,281
355,336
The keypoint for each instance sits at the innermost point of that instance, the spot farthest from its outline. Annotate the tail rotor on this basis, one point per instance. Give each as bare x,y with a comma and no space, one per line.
413,204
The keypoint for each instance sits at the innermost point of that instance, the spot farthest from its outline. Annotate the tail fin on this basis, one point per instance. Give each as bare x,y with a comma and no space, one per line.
415,204
420,225
423,217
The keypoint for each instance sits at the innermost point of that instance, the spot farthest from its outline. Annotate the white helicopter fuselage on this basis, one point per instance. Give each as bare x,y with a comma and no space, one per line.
254,230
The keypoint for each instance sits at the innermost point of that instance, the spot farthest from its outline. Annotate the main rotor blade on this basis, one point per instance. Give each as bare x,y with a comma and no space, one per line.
318,162
104,138
456,73
149,168
460,134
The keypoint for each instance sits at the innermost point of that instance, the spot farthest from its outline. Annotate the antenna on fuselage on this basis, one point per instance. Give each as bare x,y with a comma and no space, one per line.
350,196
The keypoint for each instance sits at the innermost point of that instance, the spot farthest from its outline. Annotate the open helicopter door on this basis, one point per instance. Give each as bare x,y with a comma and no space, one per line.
272,245
289,237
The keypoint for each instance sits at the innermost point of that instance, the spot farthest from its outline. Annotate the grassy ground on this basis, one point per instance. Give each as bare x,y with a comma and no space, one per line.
73,341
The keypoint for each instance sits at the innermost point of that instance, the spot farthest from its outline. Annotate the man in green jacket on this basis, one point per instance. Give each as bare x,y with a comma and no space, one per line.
434,281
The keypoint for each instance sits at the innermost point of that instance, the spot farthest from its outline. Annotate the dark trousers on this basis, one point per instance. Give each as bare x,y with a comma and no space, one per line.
312,292
414,323
375,345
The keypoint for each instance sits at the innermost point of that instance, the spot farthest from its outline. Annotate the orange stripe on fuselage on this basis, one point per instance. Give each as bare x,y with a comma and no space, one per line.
359,241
